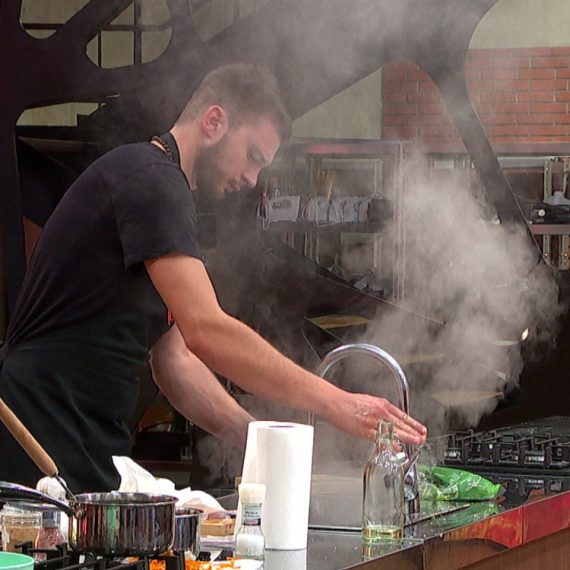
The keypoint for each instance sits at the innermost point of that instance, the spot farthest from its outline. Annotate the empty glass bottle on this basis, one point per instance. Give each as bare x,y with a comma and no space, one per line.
383,501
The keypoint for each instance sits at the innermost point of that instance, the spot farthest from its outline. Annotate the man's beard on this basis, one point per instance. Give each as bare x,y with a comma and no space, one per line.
209,175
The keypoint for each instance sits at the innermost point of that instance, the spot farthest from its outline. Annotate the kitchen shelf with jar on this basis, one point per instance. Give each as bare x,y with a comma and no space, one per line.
539,174
327,197
555,237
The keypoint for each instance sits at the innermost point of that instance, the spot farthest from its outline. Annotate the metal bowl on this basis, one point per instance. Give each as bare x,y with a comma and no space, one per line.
187,530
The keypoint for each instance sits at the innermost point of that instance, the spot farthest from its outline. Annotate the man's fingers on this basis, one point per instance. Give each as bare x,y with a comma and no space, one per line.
408,421
410,431
371,410
405,422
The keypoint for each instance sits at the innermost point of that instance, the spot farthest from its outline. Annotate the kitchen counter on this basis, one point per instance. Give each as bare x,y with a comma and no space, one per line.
528,527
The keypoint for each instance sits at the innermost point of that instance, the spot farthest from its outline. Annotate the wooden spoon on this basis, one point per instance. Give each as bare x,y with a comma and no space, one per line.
31,446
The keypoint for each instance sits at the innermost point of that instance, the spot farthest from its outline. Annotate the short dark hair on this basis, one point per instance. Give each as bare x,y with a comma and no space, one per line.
245,92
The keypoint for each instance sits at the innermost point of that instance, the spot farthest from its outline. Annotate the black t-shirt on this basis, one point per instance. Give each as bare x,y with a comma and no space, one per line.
88,313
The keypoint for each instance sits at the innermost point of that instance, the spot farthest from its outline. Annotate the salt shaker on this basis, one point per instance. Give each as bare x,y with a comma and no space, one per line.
250,542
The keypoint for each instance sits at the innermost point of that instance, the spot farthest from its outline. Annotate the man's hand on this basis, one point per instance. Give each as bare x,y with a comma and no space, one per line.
359,414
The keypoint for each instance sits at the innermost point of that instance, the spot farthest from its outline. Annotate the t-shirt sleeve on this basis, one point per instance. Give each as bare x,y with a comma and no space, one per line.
155,213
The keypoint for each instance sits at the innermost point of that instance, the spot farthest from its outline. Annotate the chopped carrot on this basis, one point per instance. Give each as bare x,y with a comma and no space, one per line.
197,565
157,565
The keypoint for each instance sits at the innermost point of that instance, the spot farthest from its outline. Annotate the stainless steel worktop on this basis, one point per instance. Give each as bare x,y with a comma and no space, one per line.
528,511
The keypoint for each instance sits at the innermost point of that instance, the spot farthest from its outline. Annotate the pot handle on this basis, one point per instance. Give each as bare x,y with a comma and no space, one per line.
27,441
31,446
14,491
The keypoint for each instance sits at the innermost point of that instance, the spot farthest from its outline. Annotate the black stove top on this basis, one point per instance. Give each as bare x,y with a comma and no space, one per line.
62,558
540,447
533,456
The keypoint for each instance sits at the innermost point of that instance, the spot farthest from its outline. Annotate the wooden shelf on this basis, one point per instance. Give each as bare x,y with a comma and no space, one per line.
550,229
305,227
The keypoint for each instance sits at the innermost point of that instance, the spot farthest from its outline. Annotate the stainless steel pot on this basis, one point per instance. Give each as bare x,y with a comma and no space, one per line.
187,530
111,524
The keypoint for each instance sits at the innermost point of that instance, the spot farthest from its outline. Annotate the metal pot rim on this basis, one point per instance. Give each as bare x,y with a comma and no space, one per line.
120,499
188,511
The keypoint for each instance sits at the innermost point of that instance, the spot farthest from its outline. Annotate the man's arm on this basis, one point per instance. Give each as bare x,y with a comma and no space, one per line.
238,353
195,392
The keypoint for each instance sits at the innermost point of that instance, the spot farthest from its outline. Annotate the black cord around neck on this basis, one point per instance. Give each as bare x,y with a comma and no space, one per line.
164,145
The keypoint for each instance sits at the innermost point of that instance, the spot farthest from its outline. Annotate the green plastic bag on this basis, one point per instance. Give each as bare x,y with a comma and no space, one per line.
446,484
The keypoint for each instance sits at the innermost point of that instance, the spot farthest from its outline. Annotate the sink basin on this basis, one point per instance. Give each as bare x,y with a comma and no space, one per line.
336,504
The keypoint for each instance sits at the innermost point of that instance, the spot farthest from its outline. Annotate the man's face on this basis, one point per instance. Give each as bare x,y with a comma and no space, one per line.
237,158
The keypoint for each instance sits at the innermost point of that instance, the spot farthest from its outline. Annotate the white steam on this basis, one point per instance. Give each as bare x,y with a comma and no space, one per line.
483,281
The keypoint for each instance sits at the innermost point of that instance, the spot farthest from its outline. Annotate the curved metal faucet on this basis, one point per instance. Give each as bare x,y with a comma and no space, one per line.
334,356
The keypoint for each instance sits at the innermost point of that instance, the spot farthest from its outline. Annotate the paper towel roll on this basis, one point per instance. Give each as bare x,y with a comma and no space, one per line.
285,560
280,455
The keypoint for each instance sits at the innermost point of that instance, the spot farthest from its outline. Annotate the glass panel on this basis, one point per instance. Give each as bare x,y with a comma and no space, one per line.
154,44
64,115
40,15
117,49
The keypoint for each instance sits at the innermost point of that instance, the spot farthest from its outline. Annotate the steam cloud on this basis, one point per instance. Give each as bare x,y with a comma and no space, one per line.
484,282
472,286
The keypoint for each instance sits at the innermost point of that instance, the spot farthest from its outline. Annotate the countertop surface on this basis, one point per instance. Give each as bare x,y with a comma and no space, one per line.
528,508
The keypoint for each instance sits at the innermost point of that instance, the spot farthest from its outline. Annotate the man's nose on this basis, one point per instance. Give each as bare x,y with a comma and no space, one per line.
250,178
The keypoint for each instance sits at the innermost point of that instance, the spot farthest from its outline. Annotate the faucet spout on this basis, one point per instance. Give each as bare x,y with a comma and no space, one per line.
377,354
381,356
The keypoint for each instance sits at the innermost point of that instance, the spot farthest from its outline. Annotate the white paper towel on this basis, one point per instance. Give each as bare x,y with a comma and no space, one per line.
280,455
285,560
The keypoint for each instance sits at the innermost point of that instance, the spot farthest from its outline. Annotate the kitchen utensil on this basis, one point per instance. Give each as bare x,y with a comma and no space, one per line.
31,446
111,524
187,530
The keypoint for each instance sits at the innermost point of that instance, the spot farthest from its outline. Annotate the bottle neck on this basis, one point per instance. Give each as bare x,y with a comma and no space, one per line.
385,432
384,442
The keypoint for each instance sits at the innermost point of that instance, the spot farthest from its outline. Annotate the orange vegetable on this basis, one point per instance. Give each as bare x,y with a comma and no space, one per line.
157,565
197,565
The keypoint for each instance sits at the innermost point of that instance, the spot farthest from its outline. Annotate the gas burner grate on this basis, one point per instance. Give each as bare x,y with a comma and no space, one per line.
533,449
61,558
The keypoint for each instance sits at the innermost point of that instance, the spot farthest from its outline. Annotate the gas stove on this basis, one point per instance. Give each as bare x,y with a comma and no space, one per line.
528,458
61,558
534,448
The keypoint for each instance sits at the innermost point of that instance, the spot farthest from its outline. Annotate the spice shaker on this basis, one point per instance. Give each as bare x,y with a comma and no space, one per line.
250,542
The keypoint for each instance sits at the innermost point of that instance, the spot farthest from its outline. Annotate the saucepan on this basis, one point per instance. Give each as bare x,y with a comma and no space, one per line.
110,524
104,524
187,530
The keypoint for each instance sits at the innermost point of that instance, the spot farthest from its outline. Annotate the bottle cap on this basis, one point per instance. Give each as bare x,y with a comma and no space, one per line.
252,492
51,516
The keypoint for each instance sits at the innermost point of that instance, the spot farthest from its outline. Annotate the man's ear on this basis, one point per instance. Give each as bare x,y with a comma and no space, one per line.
214,123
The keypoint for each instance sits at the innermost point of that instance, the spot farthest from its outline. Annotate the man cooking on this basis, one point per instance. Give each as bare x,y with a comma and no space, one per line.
116,258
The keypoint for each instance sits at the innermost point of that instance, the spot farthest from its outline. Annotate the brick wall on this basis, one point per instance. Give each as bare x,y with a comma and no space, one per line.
520,95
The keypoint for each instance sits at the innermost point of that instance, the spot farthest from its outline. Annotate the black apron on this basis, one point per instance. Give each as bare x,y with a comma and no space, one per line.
57,397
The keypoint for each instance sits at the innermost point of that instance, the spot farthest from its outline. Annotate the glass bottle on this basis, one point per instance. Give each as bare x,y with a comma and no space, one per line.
50,534
250,542
383,500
